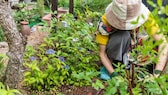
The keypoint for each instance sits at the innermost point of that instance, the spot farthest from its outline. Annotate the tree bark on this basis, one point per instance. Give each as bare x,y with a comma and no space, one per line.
16,43
13,2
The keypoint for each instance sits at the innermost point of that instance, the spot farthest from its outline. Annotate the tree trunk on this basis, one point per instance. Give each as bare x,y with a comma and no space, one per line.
16,43
13,2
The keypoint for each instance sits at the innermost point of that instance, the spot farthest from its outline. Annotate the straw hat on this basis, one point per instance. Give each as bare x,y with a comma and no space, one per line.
126,14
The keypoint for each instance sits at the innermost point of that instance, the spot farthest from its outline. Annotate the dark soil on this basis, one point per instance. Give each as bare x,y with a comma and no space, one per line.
88,90
65,90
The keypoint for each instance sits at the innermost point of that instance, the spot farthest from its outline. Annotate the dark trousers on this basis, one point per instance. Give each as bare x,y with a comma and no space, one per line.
119,45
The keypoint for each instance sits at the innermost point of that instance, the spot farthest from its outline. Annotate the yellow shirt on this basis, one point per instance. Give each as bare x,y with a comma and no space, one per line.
150,25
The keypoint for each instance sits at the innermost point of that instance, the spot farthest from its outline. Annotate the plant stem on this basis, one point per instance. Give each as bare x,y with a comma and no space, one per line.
132,80
130,85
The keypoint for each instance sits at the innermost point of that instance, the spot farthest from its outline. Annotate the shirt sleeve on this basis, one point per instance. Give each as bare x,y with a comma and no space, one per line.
104,20
151,26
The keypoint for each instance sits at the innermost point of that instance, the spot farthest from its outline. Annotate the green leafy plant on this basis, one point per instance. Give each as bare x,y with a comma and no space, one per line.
94,5
60,94
22,14
83,78
27,13
98,84
151,85
117,85
45,70
63,58
8,91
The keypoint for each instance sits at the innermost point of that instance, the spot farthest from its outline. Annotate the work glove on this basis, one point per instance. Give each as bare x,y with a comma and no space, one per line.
157,73
114,74
105,75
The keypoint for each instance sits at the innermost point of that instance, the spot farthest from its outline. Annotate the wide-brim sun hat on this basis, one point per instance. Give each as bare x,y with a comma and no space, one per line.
126,14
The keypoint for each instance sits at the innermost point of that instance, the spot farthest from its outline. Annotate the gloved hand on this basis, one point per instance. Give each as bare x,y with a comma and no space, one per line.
157,73
105,75
114,74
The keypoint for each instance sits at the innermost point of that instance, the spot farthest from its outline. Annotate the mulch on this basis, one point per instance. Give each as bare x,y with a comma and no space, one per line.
64,90
86,90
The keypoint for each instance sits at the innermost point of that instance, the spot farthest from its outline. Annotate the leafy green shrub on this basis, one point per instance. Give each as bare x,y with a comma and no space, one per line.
98,84
149,85
67,57
93,5
154,86
29,13
45,69
117,85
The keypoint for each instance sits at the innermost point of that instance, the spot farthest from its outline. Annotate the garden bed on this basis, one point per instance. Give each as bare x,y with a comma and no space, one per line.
66,90
87,90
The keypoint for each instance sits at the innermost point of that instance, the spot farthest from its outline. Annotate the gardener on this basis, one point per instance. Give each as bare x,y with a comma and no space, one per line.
116,24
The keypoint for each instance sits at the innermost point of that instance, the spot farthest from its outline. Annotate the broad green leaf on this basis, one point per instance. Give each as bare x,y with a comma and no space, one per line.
3,92
166,9
159,2
61,78
98,84
59,52
58,67
137,90
150,2
13,92
1,85
60,94
111,91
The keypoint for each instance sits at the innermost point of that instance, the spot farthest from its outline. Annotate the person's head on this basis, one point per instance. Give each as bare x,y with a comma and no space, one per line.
126,14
